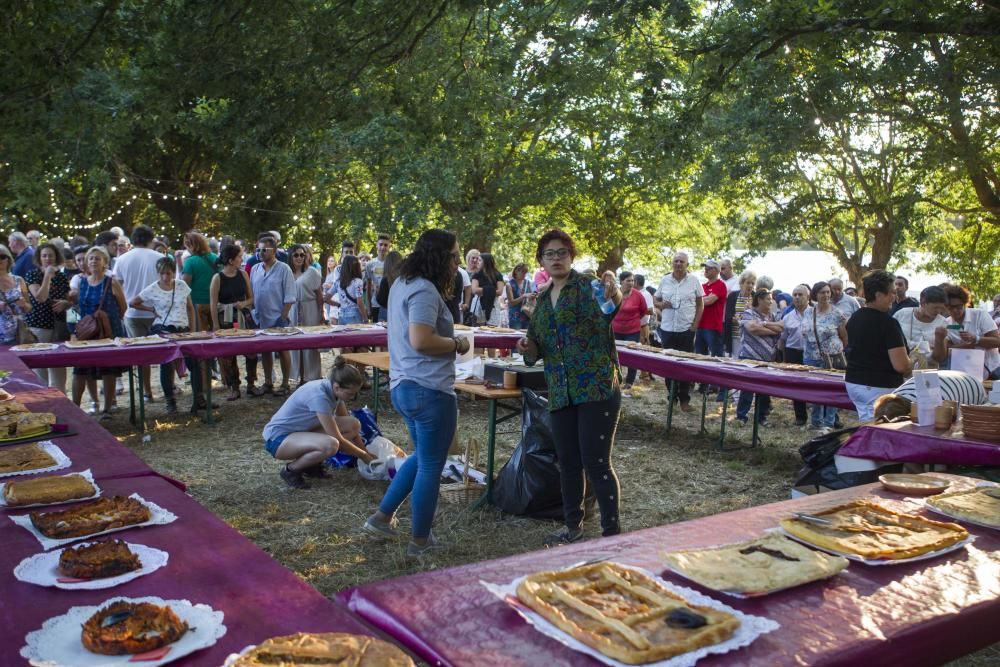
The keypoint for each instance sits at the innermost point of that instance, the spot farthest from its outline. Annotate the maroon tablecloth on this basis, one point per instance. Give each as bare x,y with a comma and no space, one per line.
920,444
799,386
91,446
209,563
924,613
135,355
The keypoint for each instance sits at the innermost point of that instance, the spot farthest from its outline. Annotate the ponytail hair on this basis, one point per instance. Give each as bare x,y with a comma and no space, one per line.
344,374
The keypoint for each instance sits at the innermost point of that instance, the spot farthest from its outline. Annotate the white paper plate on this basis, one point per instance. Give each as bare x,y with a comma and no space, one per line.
43,569
35,347
57,643
86,474
160,517
883,561
750,628
265,332
62,461
943,512
143,340
307,331
85,345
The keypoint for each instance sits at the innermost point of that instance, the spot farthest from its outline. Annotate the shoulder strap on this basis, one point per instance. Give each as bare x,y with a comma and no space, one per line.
819,346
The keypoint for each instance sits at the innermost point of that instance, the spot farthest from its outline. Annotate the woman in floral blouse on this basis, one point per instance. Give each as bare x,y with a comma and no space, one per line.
573,335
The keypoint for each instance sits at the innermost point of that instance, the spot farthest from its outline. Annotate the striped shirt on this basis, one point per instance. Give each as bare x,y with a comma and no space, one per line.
756,347
955,386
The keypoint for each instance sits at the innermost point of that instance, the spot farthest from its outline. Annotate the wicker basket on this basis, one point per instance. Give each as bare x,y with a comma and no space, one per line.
467,490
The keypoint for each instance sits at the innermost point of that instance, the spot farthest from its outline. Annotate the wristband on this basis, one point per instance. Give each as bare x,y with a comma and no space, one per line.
456,344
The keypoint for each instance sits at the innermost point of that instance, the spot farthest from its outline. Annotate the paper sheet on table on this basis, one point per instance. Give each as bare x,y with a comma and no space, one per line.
927,386
972,362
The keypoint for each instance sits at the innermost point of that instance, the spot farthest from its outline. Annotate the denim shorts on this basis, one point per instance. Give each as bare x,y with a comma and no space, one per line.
272,445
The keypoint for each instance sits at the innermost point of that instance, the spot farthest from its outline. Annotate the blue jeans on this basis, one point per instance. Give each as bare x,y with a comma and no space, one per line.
633,337
746,402
431,418
711,342
822,415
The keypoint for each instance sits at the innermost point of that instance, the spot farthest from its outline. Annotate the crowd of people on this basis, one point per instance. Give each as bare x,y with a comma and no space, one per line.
571,321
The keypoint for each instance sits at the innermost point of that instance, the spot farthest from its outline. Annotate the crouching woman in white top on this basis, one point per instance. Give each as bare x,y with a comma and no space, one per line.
313,425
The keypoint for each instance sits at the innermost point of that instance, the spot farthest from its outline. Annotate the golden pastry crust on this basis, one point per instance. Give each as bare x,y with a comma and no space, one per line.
871,531
12,407
235,333
24,424
99,560
96,342
93,516
125,628
767,563
24,457
47,490
624,614
974,505
329,648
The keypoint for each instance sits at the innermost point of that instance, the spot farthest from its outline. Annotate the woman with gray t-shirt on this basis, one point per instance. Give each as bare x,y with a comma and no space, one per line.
422,352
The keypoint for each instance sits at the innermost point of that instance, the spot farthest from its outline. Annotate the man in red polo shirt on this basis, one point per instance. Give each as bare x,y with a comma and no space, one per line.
709,338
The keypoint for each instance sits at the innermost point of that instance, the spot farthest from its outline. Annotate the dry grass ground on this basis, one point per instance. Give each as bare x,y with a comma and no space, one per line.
665,477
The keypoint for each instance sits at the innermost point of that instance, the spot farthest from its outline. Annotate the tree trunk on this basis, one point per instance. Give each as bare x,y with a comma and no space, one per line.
613,259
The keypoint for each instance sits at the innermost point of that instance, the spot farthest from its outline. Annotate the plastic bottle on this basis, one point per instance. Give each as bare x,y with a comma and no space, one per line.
607,305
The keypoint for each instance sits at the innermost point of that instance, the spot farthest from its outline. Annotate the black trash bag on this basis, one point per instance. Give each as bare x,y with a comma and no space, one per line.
820,468
528,485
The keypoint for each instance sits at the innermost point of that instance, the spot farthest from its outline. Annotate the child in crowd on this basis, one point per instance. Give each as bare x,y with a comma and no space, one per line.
313,425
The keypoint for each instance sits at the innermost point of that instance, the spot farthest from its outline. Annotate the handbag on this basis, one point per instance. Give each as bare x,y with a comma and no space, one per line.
835,360
97,324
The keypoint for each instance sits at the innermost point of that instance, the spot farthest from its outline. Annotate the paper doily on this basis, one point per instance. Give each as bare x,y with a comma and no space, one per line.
62,461
43,569
57,643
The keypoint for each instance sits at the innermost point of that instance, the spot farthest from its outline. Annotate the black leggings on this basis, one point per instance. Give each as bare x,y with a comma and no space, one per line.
584,435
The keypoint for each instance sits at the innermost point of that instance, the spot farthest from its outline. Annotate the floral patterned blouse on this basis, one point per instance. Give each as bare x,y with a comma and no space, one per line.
574,338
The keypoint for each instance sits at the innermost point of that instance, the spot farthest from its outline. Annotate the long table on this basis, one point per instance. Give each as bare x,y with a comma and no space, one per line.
210,563
919,444
923,613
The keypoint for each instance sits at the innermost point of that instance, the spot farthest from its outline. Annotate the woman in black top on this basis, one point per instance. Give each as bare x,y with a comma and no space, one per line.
488,284
48,291
876,354
231,298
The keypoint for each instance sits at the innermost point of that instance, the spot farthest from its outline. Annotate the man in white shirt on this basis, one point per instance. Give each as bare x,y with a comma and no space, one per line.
374,271
680,298
978,331
726,274
845,303
136,270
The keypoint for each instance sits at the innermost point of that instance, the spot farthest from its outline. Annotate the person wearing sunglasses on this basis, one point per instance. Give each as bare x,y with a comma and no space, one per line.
274,294
571,331
307,311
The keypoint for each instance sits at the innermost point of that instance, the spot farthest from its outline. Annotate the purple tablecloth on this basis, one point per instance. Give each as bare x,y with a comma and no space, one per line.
91,446
799,386
919,444
135,355
209,563
924,613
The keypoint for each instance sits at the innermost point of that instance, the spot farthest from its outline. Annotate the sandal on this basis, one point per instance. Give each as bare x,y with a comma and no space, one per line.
261,390
234,395
282,390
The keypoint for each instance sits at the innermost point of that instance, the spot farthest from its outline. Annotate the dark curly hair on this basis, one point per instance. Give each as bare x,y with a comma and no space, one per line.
555,235
877,281
956,293
433,258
